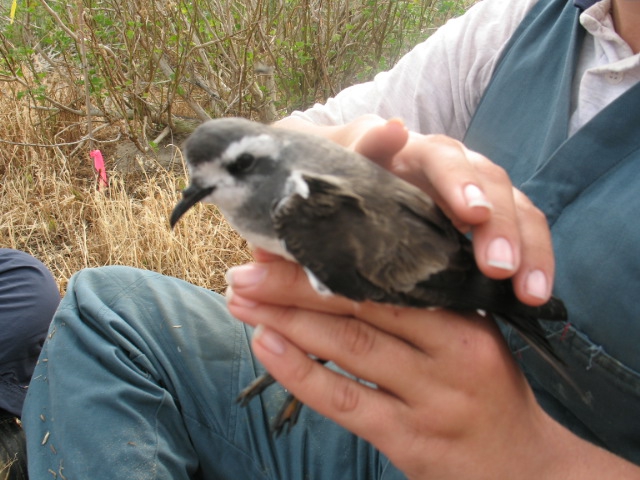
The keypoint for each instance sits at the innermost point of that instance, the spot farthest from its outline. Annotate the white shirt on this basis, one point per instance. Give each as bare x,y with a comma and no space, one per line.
436,87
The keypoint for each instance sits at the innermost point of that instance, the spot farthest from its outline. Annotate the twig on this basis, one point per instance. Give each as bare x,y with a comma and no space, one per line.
169,73
55,145
162,135
85,70
58,20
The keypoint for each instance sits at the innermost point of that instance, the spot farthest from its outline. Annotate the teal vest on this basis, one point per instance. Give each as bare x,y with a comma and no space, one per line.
588,185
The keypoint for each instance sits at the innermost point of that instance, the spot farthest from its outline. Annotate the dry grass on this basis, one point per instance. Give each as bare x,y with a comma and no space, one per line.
70,227
50,119
56,213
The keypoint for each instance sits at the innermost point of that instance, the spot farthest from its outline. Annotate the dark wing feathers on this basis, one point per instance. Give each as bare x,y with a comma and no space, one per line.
308,228
361,254
411,255
368,263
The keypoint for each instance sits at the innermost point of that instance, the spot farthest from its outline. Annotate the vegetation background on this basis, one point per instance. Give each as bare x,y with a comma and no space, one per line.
132,78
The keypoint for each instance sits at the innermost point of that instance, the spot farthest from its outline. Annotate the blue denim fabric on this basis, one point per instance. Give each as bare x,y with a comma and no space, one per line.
138,379
587,187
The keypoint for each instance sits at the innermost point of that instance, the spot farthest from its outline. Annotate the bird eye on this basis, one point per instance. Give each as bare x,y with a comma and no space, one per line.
243,163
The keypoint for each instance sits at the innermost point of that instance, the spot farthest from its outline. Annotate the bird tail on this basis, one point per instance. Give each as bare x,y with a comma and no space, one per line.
531,332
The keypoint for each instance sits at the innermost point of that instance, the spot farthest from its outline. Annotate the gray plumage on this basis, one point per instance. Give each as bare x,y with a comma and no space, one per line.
358,230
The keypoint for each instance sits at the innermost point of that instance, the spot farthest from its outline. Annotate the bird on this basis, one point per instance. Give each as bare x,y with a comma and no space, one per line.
357,229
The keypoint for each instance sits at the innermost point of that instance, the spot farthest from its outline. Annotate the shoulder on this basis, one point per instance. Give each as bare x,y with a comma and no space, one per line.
435,87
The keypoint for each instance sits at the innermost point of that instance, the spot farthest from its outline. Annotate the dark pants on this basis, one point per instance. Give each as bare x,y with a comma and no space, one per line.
28,299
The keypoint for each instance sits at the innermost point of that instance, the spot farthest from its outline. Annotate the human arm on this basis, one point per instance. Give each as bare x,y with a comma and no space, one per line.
436,87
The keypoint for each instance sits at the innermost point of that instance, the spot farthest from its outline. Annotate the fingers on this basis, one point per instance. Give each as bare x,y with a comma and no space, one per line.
382,141
342,339
277,295
534,280
497,242
445,374
283,283
510,236
367,412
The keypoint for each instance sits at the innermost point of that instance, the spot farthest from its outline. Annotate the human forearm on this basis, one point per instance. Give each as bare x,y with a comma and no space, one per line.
572,458
342,134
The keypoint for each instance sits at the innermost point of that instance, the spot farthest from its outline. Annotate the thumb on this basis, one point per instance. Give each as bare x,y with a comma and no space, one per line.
381,142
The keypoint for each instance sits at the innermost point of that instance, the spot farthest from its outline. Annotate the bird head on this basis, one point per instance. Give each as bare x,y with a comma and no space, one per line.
228,159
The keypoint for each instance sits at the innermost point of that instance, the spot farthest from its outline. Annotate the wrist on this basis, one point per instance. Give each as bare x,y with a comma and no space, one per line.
569,457
345,135
332,132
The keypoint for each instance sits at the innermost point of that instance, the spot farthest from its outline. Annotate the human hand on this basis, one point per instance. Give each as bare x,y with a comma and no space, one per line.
511,237
450,403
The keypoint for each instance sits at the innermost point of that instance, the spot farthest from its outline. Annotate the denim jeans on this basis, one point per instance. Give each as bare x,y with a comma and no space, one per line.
138,378
139,374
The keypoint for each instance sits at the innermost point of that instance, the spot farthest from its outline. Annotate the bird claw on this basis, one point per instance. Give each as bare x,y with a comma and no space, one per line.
287,416
289,412
254,389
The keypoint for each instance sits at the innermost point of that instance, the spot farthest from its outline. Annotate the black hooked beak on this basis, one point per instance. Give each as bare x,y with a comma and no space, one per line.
190,196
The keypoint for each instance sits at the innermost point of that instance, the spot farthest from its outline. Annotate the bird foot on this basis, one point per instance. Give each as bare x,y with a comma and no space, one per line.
254,389
287,416
289,412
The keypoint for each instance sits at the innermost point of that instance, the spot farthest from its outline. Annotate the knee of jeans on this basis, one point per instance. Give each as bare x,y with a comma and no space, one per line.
103,285
106,278
21,266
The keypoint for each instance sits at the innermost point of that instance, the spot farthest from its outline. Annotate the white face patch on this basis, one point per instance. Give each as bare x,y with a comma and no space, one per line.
258,145
228,194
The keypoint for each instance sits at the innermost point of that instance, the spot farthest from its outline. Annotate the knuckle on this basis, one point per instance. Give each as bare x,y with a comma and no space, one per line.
345,395
505,219
294,275
537,215
493,172
302,371
449,151
355,337
442,140
526,206
291,278
285,316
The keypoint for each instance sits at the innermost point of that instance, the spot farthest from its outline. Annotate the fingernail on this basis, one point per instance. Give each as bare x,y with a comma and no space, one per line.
269,339
245,275
475,197
232,298
537,285
500,254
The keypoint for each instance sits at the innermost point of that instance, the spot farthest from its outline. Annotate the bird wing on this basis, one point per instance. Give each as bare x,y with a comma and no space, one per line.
366,245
